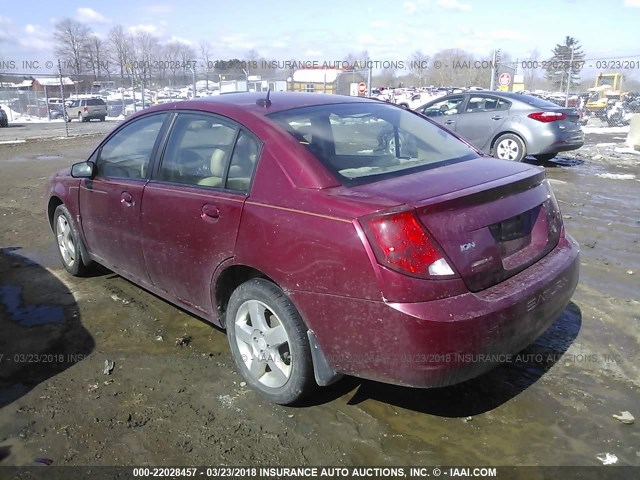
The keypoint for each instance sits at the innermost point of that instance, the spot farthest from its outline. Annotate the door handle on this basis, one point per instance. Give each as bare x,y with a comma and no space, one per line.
496,117
126,199
449,122
210,211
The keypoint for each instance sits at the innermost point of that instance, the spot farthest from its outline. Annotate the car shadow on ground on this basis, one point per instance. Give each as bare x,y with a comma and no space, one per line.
475,396
556,162
42,333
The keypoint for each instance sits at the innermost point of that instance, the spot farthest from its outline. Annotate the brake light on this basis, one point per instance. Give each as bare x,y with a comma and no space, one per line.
402,244
546,117
86,109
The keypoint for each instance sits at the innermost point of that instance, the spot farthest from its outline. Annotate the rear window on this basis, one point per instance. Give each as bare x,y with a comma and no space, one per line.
95,101
366,142
536,102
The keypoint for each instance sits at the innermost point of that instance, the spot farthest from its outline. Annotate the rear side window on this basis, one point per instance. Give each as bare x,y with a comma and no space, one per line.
537,102
243,162
366,142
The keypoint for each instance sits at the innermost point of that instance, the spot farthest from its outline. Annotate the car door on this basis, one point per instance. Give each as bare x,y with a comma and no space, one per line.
444,111
482,119
192,206
110,203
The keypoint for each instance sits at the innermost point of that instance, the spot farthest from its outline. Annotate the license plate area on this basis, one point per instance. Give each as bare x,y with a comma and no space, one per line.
520,238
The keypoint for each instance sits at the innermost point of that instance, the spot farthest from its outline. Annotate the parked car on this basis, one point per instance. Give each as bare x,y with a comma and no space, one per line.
283,220
86,109
115,108
132,107
508,126
4,120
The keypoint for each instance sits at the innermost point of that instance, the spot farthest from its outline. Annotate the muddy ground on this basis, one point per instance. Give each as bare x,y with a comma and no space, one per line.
165,404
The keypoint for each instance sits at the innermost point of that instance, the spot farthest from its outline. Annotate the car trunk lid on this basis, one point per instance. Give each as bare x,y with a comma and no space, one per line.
492,218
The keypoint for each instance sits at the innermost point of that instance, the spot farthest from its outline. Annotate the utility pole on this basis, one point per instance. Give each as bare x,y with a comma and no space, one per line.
494,68
64,107
369,80
566,100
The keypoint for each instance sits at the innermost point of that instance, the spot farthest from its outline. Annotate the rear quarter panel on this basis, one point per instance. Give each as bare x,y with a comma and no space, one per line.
303,239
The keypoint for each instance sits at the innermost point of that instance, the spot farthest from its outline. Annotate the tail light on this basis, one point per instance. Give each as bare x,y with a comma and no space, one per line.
546,117
402,244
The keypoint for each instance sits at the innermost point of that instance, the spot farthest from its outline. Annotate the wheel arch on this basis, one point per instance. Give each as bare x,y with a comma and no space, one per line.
512,132
227,280
54,202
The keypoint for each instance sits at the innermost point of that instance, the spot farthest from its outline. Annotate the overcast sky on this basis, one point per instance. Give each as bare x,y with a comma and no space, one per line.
328,30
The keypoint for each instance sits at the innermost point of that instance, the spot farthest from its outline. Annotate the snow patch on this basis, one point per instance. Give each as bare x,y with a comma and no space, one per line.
626,150
588,129
616,176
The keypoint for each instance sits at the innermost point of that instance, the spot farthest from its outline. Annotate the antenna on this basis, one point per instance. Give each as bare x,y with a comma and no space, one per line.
265,102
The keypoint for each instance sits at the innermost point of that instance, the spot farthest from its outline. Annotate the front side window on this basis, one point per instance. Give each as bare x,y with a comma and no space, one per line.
366,142
448,106
128,152
198,150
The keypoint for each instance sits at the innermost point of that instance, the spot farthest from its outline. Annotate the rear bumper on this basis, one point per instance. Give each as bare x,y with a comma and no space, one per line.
447,341
557,142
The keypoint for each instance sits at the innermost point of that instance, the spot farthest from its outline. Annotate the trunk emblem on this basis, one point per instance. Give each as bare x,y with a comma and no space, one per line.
465,247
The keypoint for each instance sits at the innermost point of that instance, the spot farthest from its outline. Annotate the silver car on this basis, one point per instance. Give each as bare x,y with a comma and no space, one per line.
85,109
506,125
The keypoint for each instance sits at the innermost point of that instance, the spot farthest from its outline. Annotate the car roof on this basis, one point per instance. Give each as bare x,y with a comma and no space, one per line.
247,101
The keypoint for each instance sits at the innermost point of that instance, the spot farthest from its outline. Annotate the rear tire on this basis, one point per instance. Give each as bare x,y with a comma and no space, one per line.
545,157
509,147
269,342
69,243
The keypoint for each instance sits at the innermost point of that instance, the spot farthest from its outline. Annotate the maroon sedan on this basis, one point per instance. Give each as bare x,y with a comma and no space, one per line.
329,235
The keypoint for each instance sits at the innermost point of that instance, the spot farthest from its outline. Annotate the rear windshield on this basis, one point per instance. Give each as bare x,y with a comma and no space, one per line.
366,142
537,102
95,101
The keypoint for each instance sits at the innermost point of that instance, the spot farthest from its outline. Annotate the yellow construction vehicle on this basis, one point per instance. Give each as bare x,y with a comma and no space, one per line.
608,86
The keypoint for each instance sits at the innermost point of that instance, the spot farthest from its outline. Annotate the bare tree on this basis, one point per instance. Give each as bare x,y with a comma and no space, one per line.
71,40
120,49
205,56
96,54
171,55
146,47
418,63
456,67
187,57
531,73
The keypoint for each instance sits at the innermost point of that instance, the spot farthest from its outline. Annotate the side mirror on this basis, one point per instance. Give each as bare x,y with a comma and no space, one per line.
83,170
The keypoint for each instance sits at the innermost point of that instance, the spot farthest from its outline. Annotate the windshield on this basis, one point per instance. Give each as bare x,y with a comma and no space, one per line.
366,142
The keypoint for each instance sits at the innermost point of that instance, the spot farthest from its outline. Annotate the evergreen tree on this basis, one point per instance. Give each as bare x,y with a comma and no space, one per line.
560,64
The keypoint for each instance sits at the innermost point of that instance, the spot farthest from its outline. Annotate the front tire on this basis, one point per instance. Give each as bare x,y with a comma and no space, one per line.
269,343
509,147
69,243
